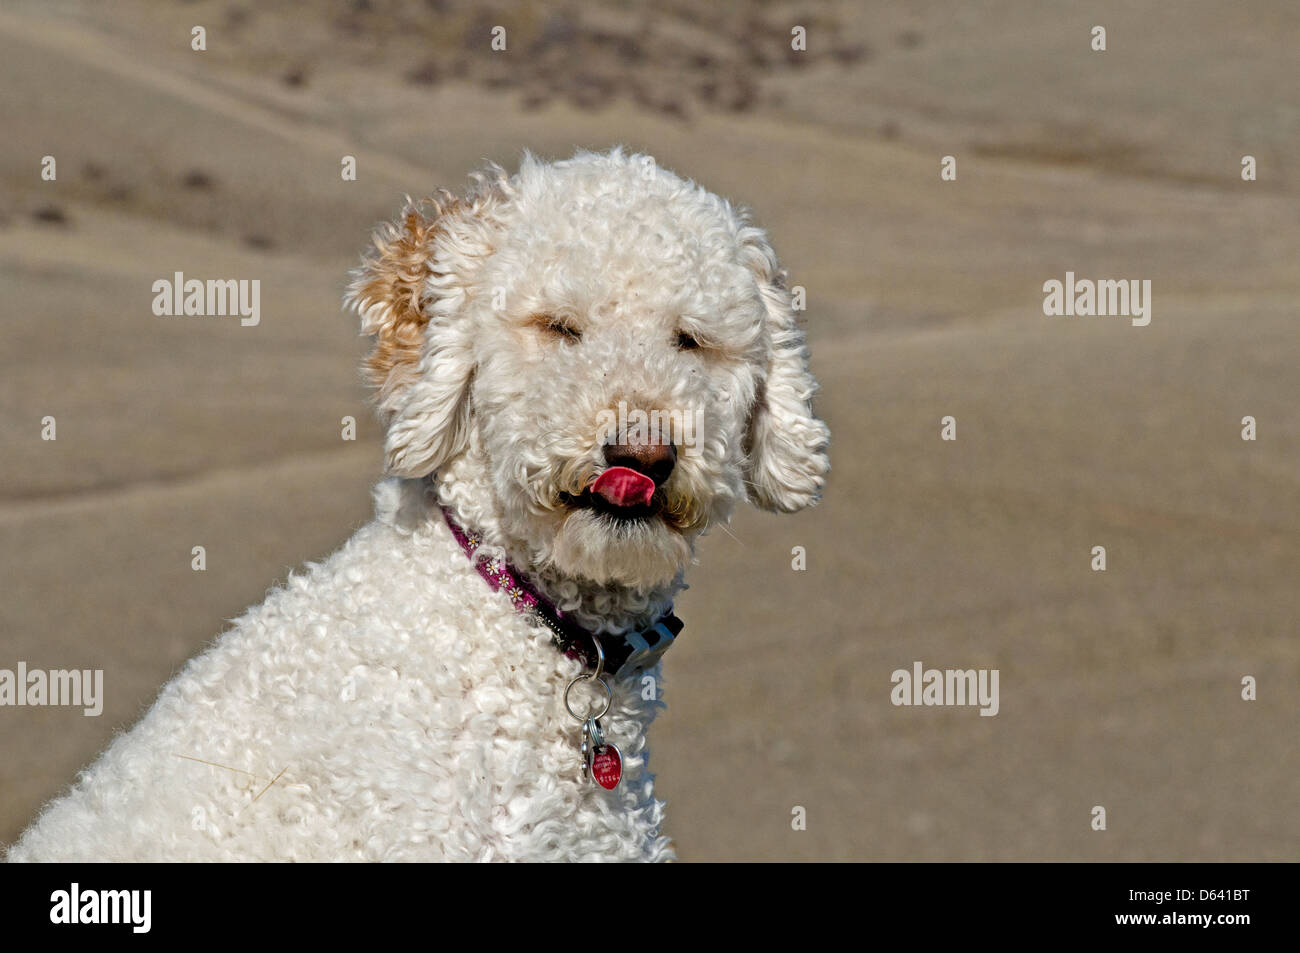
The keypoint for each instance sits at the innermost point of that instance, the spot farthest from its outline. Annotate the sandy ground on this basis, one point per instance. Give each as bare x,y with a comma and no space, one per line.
1119,689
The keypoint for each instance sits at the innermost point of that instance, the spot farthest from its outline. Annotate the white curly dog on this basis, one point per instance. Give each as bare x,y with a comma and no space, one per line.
581,368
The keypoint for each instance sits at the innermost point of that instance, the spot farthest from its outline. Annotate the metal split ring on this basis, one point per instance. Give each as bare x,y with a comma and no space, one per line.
609,695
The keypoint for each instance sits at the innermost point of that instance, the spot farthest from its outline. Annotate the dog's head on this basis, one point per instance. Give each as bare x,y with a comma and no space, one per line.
614,345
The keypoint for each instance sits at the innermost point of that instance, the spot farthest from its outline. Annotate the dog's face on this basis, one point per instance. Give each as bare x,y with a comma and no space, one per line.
613,342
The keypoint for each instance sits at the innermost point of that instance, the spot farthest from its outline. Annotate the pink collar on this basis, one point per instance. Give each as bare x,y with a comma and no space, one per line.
624,654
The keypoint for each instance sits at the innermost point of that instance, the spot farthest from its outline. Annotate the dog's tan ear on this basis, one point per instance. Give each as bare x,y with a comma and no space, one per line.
410,293
786,444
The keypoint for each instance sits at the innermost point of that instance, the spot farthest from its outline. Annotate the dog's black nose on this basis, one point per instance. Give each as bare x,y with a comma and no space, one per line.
655,460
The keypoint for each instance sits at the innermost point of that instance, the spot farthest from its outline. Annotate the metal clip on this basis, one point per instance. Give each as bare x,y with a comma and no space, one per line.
600,760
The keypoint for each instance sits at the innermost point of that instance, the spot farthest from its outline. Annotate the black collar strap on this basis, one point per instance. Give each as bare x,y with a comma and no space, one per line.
624,654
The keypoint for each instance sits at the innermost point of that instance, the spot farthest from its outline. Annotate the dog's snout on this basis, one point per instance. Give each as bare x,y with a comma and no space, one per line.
655,460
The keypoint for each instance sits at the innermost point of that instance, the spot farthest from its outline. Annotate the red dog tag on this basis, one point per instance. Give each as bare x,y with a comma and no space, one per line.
607,767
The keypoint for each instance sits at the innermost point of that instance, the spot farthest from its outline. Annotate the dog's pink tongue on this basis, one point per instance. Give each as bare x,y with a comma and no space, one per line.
624,487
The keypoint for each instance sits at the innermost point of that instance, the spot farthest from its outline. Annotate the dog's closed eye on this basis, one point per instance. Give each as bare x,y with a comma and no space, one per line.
557,326
686,342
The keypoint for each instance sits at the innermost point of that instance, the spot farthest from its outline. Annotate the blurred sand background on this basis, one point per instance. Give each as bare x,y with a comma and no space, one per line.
1118,689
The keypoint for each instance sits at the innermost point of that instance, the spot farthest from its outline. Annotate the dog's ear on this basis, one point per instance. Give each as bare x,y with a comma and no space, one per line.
410,292
786,444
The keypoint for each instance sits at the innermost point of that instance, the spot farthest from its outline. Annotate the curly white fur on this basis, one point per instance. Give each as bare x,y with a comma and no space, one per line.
403,709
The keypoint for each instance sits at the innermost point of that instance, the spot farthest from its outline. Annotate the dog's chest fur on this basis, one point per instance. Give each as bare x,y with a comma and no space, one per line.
404,711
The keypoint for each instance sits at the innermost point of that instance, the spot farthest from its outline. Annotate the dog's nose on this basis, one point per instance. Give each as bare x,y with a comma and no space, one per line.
655,460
